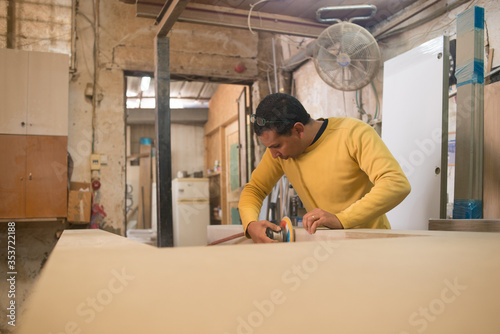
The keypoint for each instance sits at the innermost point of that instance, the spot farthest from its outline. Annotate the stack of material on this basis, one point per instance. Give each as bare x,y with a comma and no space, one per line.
146,236
468,198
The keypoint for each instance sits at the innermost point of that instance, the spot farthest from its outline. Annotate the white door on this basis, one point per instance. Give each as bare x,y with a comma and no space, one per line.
415,103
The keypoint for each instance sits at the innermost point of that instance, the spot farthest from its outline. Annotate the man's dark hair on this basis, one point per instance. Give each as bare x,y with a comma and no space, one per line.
281,112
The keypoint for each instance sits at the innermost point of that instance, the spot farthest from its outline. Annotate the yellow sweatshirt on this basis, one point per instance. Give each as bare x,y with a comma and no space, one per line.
348,172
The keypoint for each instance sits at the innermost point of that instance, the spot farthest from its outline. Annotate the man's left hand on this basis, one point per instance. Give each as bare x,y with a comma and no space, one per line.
318,217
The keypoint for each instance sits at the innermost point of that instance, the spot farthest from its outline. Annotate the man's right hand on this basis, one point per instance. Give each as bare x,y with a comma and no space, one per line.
257,231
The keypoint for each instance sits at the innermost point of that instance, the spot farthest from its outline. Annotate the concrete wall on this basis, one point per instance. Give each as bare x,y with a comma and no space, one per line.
195,50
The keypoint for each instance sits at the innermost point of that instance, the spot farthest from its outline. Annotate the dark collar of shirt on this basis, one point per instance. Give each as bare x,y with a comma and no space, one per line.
321,130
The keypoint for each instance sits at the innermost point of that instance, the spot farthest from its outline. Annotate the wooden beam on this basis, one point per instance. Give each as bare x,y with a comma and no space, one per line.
169,15
237,18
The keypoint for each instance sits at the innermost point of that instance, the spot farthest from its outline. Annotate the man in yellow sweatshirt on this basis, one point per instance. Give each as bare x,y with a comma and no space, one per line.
341,169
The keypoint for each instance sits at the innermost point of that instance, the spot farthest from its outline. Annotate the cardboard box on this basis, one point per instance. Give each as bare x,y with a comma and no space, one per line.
79,203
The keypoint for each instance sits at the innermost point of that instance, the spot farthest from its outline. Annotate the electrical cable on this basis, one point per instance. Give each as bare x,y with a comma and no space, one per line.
377,101
360,109
231,237
250,14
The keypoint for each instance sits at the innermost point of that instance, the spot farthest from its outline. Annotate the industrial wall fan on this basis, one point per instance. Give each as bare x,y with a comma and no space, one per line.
346,55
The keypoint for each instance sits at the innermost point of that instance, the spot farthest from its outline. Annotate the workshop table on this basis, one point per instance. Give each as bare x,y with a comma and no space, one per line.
336,281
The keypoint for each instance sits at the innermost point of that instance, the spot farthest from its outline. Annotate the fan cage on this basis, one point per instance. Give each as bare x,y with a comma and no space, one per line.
346,56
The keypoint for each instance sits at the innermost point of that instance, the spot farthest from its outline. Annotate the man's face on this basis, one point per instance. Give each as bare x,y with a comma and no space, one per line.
282,146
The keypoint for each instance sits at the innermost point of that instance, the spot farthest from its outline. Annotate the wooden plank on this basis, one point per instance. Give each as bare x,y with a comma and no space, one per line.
394,284
47,176
469,225
12,176
223,177
242,130
144,215
491,177
231,138
322,234
213,153
170,14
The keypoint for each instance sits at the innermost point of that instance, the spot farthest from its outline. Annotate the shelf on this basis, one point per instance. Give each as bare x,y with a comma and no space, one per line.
213,174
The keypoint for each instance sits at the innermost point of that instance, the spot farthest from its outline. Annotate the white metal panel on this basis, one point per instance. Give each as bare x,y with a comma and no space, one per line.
13,91
412,128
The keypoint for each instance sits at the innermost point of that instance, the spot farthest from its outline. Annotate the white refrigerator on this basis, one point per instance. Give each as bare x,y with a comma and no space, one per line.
191,211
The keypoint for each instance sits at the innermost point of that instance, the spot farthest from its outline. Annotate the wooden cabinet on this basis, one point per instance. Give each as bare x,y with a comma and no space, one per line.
33,176
12,176
34,93
33,134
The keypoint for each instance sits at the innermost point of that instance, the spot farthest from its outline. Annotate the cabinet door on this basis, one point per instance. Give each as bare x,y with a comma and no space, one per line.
47,176
48,94
12,179
13,91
